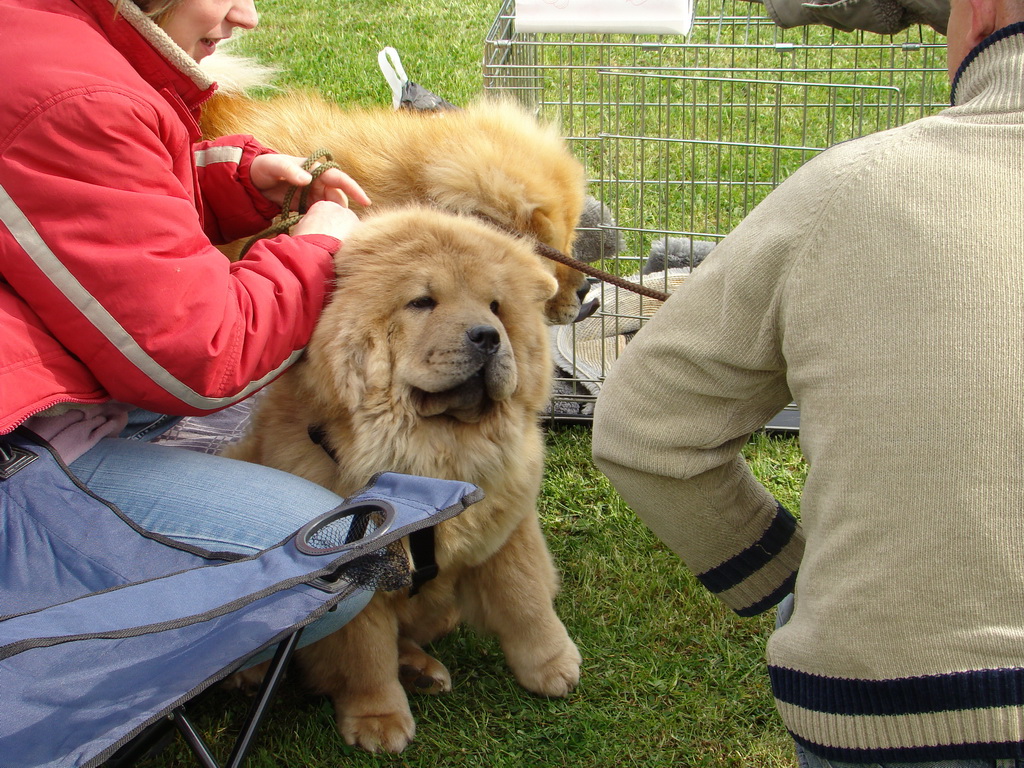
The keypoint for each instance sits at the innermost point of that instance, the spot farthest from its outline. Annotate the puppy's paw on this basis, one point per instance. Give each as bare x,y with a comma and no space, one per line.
420,672
425,681
248,680
389,732
556,676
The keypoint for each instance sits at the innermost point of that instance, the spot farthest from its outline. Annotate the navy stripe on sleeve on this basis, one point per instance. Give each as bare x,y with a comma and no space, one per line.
749,561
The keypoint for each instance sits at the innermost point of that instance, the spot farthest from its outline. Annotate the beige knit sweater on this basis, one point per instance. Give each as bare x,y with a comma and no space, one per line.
882,288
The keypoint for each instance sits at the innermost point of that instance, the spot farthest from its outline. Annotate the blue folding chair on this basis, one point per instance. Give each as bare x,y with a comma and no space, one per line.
107,630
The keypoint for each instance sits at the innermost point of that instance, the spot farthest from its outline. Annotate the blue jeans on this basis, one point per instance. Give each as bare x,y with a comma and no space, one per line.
211,502
807,759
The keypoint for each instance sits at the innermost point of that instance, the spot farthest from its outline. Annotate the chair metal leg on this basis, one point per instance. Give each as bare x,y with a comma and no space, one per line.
193,739
178,719
271,680
151,741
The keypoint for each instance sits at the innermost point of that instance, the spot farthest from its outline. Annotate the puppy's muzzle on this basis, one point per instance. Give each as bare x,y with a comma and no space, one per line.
484,339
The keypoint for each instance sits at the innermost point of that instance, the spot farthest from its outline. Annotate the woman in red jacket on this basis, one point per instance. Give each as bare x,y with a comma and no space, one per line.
115,306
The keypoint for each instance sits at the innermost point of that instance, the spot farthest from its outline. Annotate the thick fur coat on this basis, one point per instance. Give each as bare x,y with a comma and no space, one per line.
491,159
431,359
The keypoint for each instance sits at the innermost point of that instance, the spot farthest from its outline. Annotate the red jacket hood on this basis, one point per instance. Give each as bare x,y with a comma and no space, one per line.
147,48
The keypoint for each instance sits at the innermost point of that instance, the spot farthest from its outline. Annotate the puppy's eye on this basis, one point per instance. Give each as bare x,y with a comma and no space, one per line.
495,307
423,302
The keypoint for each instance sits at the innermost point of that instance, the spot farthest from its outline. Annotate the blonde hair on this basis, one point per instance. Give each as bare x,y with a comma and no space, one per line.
155,9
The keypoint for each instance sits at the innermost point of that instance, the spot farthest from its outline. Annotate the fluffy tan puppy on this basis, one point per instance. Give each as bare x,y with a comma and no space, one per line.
491,159
431,359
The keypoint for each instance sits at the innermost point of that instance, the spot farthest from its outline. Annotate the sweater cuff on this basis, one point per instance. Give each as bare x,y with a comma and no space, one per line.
757,578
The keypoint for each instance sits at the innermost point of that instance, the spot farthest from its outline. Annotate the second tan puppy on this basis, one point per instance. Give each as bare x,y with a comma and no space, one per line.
491,159
431,359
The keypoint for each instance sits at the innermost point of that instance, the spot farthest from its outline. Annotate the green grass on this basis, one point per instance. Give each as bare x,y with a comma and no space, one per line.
332,46
670,677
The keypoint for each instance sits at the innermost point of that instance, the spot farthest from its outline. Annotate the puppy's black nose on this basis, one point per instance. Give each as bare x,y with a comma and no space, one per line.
485,338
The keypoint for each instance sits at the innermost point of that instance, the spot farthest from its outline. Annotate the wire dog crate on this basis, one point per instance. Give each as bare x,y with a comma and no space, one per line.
682,137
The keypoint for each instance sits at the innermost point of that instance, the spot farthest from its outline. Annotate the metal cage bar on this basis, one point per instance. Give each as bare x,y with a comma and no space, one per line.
682,137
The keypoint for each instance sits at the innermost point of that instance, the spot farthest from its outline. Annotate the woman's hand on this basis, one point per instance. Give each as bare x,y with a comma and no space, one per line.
273,174
326,218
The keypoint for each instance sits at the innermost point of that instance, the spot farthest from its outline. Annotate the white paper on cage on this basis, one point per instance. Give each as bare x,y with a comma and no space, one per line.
638,17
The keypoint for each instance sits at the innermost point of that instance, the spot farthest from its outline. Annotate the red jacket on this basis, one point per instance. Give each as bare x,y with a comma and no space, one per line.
110,287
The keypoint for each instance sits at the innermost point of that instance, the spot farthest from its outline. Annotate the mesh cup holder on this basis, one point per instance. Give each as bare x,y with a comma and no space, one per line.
355,526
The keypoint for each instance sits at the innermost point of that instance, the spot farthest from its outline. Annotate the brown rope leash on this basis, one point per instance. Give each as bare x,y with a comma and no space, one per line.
554,254
288,218
550,252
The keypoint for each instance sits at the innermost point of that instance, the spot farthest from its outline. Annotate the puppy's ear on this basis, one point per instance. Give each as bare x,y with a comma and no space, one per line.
542,226
545,286
334,365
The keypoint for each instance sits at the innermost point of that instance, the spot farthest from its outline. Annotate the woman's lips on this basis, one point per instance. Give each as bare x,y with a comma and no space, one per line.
208,45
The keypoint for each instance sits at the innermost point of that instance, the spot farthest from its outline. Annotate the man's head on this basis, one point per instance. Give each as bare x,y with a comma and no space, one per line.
971,21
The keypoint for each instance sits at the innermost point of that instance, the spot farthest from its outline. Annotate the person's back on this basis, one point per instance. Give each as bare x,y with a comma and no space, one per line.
881,287
902,329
